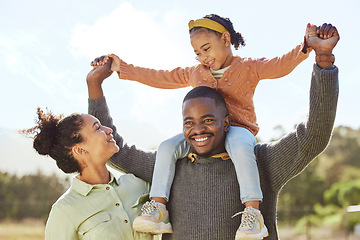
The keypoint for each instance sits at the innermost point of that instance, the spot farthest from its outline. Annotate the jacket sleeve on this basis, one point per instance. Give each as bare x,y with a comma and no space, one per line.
176,78
281,66
285,158
128,159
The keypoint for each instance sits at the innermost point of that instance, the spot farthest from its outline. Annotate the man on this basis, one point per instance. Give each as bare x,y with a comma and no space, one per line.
204,194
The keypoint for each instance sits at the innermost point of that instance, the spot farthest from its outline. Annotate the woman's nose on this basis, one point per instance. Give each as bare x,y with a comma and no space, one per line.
108,130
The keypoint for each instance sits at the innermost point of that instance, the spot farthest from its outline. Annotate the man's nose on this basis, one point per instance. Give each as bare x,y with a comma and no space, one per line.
198,128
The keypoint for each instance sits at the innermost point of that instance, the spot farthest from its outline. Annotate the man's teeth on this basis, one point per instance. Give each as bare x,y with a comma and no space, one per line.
200,139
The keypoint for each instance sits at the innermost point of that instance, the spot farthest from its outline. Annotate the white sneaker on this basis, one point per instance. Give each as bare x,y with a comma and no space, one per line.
154,219
252,225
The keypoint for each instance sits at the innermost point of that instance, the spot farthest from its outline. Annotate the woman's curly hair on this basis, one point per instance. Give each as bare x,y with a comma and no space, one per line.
55,136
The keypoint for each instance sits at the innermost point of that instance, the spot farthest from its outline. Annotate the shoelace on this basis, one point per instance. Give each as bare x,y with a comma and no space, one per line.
148,208
248,219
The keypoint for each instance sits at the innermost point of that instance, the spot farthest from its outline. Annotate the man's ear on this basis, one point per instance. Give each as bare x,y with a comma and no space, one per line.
226,38
227,123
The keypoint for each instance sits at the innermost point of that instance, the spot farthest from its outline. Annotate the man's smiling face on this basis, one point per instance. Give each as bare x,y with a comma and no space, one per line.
205,125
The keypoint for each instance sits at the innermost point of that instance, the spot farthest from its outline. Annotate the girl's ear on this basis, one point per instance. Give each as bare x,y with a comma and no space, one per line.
226,38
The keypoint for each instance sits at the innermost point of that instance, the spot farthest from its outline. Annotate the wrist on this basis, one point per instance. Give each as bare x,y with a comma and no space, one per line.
93,79
115,68
322,51
324,60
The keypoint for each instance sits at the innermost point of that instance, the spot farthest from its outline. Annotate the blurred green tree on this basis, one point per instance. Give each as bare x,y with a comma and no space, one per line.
331,181
29,196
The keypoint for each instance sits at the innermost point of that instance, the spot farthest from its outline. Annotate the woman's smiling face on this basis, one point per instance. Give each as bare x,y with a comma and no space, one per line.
98,140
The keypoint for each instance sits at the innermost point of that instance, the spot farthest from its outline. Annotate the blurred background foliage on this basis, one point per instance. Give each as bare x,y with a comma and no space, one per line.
320,195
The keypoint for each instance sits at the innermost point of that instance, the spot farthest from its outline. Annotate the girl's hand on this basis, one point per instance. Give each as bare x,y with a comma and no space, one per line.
115,65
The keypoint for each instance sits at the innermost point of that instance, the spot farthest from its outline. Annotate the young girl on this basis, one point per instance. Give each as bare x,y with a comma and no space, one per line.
236,79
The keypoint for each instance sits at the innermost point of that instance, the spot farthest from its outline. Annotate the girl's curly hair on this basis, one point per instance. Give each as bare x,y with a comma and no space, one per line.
237,39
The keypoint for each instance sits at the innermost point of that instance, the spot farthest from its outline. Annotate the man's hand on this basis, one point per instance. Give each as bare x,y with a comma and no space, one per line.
323,39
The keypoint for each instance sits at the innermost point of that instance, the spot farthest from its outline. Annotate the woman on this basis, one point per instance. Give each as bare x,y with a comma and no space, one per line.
96,206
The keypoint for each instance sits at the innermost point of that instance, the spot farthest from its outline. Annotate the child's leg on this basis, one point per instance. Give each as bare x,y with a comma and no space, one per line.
168,152
240,144
154,218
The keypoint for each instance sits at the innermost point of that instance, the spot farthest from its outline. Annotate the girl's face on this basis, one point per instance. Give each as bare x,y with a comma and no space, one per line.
98,143
211,50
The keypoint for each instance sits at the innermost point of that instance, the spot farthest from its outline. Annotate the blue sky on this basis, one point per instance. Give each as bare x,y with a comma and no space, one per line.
46,48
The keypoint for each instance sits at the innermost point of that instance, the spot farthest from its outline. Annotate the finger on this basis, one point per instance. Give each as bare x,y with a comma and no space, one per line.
101,59
321,30
336,33
93,63
111,55
97,62
326,31
107,60
333,32
311,30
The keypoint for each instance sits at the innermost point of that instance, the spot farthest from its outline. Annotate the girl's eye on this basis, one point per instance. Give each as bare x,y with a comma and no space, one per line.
206,49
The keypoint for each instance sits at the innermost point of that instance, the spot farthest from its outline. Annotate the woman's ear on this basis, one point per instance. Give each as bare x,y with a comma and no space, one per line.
226,38
78,150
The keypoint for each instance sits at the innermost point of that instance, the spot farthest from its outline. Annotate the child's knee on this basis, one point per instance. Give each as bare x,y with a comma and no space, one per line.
172,143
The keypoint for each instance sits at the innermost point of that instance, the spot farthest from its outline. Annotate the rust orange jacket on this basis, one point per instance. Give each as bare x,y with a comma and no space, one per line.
237,85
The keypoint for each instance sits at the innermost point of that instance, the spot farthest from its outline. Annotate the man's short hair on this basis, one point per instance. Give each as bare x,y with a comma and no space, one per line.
206,92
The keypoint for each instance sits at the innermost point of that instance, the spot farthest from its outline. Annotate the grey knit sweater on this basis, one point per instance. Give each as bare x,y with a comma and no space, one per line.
205,194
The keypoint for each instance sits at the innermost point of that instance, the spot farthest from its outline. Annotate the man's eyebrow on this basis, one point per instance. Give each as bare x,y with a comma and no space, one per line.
208,115
187,118
204,116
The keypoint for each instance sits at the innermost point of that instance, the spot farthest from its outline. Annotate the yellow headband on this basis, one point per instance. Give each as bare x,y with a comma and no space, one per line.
207,23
